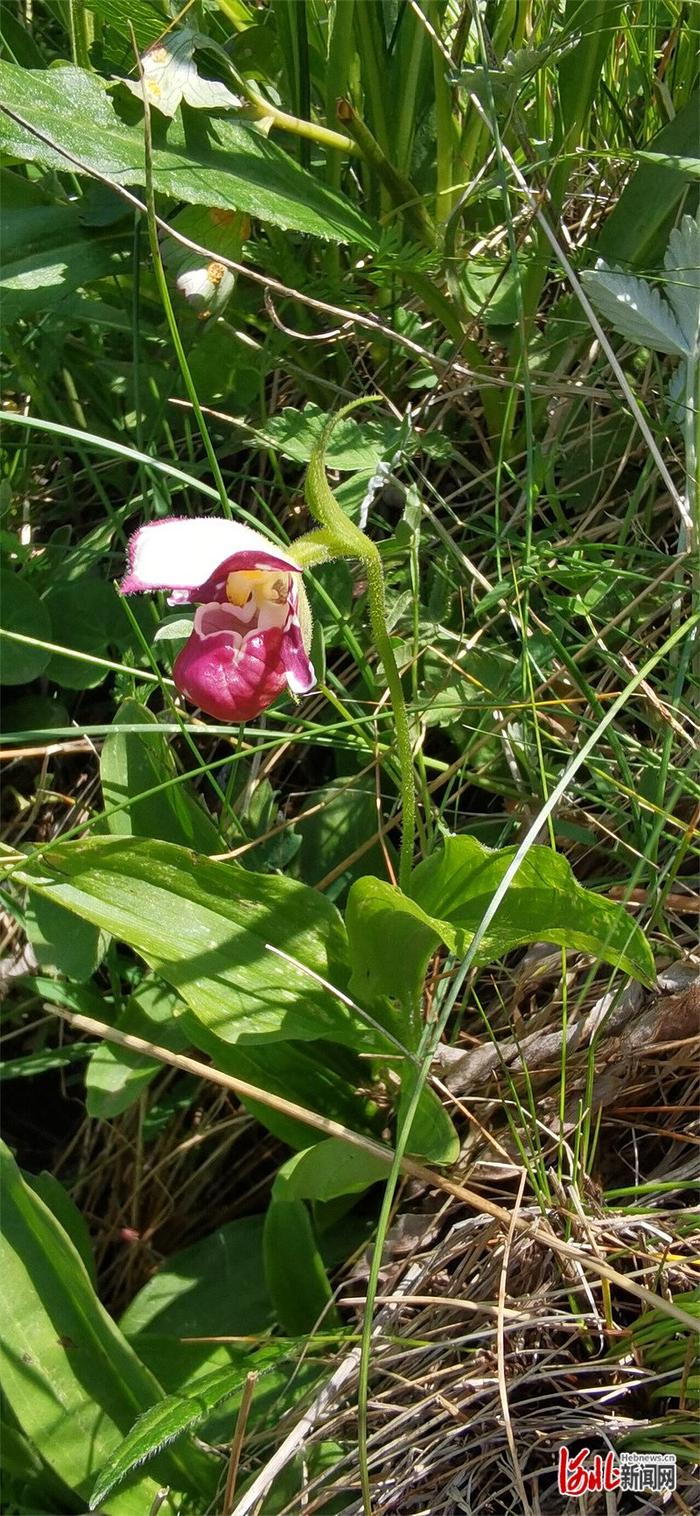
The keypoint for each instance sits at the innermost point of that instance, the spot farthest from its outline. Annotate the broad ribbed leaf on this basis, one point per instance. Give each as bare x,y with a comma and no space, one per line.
214,1286
294,1269
45,253
329,1169
116,1076
245,951
73,1382
324,1078
149,18
230,165
635,309
135,764
636,231
545,903
392,937
74,948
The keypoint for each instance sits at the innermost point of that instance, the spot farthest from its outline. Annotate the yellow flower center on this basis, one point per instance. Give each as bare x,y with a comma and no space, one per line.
263,585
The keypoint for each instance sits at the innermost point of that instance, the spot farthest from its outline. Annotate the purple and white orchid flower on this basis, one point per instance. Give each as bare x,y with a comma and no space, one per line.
252,625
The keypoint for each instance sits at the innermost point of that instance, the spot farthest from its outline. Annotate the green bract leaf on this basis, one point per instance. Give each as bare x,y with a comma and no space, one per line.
235,167
246,951
545,903
174,629
206,283
132,765
635,309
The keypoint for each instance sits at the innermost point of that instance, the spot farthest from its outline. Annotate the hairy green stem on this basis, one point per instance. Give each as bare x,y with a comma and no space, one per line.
340,538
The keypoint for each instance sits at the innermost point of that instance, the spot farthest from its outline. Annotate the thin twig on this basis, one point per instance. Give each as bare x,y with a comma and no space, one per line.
537,1231
237,1441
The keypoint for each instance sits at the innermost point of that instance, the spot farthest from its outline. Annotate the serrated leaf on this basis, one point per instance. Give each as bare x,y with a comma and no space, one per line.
236,168
170,75
635,309
353,445
682,262
175,1415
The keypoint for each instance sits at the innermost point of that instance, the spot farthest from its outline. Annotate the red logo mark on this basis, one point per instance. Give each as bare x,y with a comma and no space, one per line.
575,1478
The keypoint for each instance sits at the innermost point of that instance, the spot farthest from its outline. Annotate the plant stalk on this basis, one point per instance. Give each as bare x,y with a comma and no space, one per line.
340,538
403,194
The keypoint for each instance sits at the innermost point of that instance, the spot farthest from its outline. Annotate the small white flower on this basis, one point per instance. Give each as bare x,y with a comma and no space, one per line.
208,286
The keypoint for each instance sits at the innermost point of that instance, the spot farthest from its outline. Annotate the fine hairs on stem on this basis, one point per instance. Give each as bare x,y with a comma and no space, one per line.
340,538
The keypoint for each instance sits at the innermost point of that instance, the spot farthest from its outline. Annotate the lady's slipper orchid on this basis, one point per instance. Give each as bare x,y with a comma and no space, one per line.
252,625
